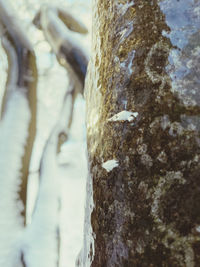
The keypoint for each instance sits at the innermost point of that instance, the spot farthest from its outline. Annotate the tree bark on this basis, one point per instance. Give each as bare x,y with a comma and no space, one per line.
143,123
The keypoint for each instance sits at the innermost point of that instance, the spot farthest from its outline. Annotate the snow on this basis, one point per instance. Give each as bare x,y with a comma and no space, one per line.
198,228
41,239
13,59
131,57
50,23
13,135
110,165
65,176
86,254
124,116
73,172
126,31
128,63
124,7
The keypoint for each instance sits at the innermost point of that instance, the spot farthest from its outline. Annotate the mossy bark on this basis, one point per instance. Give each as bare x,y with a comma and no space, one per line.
146,60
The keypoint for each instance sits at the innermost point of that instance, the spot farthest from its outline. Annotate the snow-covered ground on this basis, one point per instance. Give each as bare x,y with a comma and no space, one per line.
71,173
72,163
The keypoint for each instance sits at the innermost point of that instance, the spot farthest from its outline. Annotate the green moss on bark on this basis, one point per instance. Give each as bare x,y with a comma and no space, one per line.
146,209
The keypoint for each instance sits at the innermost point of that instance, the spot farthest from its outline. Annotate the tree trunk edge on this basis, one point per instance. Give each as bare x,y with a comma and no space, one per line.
145,208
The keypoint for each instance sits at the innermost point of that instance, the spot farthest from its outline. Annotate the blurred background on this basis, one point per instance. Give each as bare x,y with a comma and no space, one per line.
52,84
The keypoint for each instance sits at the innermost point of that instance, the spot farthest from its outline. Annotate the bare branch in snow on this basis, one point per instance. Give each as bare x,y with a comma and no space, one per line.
59,28
22,77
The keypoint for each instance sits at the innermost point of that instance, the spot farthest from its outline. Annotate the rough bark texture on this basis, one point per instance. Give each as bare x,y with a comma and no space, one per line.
146,60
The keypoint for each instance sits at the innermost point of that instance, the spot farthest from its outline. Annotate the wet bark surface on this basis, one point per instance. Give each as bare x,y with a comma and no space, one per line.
146,60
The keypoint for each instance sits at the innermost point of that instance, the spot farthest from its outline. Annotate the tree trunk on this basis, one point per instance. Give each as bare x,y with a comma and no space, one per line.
143,123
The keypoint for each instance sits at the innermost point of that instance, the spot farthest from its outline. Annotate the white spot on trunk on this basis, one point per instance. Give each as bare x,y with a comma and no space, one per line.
198,228
162,157
110,165
124,7
124,116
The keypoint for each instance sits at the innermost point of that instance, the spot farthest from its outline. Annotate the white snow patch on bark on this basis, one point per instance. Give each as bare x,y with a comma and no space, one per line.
126,31
110,165
198,228
124,116
128,63
13,136
131,57
124,7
